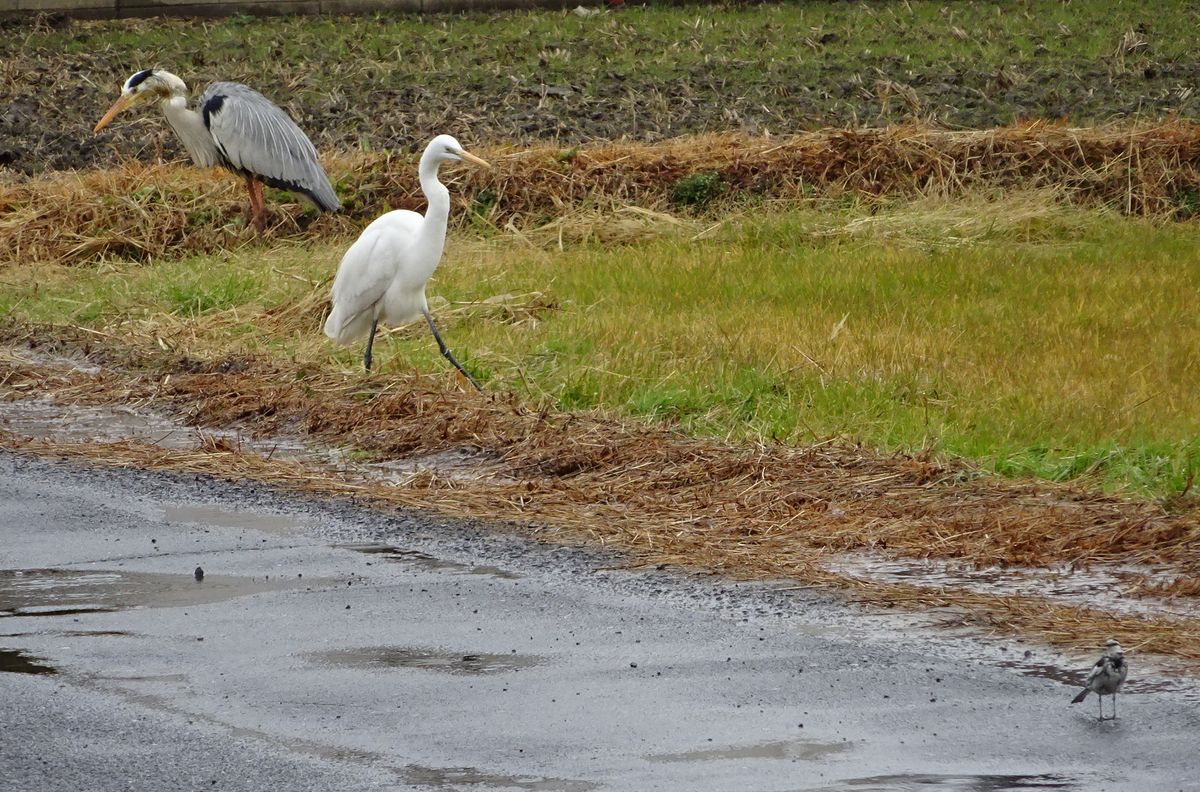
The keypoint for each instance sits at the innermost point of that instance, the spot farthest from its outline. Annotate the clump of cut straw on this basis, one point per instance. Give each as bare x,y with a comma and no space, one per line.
143,212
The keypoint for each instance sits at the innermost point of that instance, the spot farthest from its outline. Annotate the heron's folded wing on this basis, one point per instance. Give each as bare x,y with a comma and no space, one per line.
256,136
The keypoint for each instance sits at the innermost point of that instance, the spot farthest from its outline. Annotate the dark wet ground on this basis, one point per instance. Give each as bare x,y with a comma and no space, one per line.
391,83
14,661
26,593
341,648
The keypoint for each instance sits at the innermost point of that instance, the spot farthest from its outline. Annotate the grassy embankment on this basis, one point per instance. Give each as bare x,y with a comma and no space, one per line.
1037,339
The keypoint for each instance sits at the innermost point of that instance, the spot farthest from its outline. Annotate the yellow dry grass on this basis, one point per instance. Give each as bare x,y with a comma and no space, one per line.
146,211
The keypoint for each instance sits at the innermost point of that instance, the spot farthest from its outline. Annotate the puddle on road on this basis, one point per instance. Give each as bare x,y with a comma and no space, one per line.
468,777
805,750
45,419
425,561
72,634
14,661
83,423
1068,676
62,592
1074,677
952,783
229,518
463,462
1097,587
430,659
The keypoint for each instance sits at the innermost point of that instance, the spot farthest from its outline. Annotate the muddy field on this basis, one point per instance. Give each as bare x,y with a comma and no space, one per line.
644,74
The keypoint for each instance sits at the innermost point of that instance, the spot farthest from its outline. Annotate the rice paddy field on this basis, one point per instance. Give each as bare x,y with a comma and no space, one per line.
749,286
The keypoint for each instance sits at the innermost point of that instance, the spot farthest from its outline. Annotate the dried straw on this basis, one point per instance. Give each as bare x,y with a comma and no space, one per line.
143,212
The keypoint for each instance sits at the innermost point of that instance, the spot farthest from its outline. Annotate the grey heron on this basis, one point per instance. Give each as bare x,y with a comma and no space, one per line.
383,274
1106,676
238,128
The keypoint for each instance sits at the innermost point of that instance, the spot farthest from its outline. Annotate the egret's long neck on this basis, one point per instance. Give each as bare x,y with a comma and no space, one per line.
190,128
433,229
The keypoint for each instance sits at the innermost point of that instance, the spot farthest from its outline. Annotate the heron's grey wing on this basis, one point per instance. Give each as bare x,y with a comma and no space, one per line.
256,136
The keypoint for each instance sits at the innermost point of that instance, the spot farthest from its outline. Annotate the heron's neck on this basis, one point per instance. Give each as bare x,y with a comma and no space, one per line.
438,213
190,128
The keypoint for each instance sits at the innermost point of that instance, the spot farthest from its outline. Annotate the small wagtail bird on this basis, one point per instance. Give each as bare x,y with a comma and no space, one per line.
1106,677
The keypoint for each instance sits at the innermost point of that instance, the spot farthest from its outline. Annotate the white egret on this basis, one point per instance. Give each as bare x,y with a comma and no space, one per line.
382,276
1106,677
238,128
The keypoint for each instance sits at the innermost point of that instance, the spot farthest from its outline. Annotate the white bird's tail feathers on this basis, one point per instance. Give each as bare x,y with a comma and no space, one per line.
345,330
1082,695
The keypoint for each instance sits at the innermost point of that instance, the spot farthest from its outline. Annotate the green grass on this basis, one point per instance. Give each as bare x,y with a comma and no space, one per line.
1034,338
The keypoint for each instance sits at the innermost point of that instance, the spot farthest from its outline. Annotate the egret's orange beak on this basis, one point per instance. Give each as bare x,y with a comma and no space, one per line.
123,101
469,157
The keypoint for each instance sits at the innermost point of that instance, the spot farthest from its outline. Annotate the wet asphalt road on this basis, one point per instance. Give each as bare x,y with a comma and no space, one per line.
333,648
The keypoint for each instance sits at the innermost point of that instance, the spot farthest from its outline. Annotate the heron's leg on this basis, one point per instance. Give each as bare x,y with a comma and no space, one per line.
1100,697
370,341
258,209
446,350
1114,700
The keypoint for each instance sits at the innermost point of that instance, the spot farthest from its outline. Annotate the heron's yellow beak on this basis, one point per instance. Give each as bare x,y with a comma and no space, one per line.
123,101
469,157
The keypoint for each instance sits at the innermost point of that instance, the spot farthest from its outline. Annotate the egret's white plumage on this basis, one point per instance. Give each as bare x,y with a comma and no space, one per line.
238,128
382,276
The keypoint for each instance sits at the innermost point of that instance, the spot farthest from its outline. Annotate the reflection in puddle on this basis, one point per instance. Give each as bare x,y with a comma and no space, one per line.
14,661
807,750
953,783
62,592
424,561
466,777
434,660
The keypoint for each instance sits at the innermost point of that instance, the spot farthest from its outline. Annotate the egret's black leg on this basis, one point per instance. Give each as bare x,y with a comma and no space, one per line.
1100,697
446,350
370,341
1114,700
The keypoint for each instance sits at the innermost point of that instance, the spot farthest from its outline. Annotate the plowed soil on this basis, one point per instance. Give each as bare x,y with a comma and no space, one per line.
371,82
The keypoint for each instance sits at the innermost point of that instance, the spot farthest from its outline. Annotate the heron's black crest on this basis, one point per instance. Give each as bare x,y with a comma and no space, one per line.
211,108
138,78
